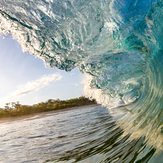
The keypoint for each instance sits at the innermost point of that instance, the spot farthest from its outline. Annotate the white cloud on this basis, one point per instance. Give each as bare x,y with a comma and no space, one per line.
33,86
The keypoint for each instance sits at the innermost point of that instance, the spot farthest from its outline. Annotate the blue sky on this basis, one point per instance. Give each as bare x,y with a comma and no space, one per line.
25,78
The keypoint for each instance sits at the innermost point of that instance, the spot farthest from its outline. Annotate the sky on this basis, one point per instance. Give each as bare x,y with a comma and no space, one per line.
26,79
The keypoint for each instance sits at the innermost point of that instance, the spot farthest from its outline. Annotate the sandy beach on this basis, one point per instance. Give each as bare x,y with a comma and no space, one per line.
42,114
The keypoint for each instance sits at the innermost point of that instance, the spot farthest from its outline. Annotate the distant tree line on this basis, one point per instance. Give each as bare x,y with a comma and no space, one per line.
16,109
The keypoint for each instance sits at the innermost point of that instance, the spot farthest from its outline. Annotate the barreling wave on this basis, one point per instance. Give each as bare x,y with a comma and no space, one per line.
117,43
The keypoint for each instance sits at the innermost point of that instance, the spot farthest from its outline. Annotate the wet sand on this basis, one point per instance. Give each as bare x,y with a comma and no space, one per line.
42,114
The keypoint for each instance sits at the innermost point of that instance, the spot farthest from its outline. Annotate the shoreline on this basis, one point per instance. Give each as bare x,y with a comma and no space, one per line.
41,114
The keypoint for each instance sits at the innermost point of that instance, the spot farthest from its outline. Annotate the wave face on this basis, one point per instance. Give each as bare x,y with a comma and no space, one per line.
118,43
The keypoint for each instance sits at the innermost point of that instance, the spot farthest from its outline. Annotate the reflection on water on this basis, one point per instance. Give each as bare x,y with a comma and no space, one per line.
82,135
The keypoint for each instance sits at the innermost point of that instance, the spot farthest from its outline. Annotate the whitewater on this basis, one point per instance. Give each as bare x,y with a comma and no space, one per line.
117,43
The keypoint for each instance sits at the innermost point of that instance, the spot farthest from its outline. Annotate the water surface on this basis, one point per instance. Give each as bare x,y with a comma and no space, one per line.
88,134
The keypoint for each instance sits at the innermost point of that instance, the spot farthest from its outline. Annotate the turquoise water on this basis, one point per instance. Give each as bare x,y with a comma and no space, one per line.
117,43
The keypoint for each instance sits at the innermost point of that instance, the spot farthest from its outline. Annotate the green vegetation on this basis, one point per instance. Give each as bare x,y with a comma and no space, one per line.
16,109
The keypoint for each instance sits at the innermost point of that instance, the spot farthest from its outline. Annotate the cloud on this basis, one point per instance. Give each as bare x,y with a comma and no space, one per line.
33,86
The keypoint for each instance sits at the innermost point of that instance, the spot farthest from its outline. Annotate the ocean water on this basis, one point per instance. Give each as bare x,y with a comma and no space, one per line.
86,135
117,43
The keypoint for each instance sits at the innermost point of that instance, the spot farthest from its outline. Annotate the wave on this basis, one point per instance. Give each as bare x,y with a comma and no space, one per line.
118,44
